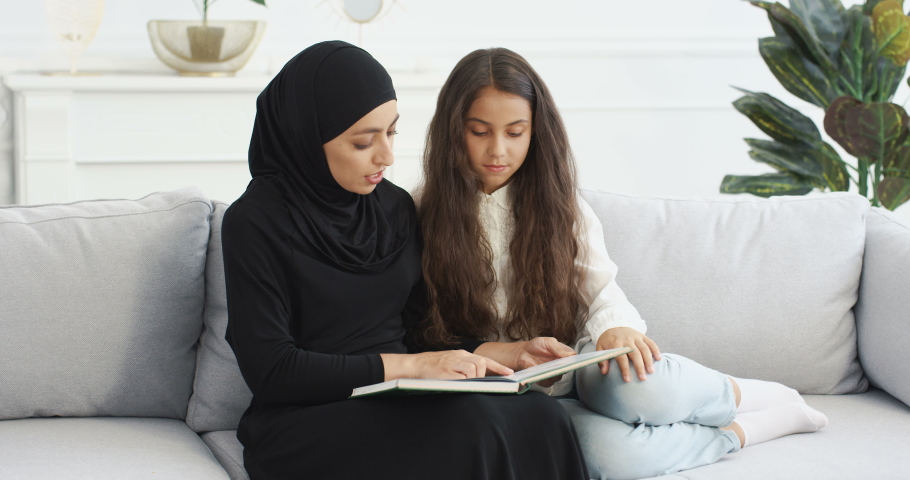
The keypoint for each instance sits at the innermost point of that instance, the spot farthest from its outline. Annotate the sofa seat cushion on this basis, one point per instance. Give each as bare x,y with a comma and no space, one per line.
101,306
868,437
228,451
751,287
101,448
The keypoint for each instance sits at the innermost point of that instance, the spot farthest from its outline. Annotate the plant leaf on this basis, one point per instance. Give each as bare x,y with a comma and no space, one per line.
260,2
876,128
897,162
767,185
890,75
892,31
880,76
834,170
893,191
825,20
871,4
836,122
805,42
777,120
778,27
800,160
860,45
819,165
800,77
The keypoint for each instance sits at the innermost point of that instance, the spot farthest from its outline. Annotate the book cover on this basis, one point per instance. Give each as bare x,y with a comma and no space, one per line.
518,382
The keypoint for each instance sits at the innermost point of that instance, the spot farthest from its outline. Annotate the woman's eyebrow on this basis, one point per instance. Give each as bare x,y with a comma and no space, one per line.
377,130
516,122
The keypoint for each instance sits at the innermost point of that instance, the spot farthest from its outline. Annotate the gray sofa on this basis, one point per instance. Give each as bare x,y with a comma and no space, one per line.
112,316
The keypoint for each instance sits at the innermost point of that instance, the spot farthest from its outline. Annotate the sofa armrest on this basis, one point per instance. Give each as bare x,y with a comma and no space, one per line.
883,308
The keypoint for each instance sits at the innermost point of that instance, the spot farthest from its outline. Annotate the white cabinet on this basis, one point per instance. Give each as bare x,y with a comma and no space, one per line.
124,136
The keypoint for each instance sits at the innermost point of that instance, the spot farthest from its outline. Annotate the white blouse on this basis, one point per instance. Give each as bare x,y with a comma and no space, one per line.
608,305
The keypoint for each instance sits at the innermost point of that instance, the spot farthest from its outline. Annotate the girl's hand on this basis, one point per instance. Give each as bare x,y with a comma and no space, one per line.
540,350
445,365
522,355
644,351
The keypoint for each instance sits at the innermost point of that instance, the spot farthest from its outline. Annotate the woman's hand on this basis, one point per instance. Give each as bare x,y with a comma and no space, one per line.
522,355
445,365
644,351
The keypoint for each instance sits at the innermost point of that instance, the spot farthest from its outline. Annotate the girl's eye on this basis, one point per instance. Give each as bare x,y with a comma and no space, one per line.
515,135
393,132
478,134
363,147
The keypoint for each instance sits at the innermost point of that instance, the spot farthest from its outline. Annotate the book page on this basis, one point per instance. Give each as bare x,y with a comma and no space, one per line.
560,364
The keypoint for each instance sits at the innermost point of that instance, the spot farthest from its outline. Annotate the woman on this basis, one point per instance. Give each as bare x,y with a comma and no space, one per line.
515,258
322,266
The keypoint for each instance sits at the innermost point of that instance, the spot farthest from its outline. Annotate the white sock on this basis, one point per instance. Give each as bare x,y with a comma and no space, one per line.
780,420
758,395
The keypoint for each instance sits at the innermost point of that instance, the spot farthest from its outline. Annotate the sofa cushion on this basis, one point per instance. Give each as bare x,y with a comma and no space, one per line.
883,309
101,306
228,451
104,448
751,287
866,438
219,393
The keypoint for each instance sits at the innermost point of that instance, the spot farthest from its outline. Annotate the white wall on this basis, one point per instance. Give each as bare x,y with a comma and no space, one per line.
644,87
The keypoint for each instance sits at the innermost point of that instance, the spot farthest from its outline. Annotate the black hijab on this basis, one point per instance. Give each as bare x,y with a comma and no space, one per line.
318,95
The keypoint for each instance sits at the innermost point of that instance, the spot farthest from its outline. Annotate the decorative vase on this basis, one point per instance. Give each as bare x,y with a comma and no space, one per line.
74,23
205,43
206,48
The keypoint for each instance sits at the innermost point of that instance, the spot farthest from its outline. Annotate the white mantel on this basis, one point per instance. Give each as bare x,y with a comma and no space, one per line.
124,136
112,82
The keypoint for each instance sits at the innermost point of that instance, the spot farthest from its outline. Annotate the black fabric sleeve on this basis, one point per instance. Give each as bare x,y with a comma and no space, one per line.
276,371
468,344
415,312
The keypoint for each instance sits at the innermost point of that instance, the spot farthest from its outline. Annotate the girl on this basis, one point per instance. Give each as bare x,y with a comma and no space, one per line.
515,258
322,267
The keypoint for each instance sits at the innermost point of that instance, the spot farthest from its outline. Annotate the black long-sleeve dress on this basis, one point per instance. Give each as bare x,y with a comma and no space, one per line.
306,333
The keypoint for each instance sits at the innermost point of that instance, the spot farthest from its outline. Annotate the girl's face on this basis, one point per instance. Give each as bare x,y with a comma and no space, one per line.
497,136
358,157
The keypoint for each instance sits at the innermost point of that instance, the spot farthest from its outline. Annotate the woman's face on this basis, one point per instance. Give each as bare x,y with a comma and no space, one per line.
497,136
358,157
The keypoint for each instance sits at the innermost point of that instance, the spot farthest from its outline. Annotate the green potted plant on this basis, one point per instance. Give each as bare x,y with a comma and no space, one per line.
848,62
208,47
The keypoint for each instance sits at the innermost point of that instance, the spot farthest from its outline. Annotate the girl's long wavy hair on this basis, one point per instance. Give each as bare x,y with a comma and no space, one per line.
543,291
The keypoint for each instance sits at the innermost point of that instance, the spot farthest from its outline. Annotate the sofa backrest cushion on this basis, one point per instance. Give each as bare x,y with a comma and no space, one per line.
751,287
219,393
101,306
883,309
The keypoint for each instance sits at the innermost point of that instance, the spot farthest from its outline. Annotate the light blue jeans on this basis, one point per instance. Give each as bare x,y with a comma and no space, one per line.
646,428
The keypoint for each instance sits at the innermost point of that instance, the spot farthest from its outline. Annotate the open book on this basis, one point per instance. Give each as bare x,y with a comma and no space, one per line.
518,382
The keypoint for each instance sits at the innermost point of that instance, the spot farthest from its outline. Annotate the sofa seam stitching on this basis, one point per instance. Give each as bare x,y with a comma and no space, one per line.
107,216
890,220
93,200
708,200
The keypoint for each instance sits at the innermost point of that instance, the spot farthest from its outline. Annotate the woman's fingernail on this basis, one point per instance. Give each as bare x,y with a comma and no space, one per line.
626,378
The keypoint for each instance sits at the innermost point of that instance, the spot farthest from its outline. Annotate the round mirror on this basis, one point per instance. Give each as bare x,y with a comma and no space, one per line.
362,11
